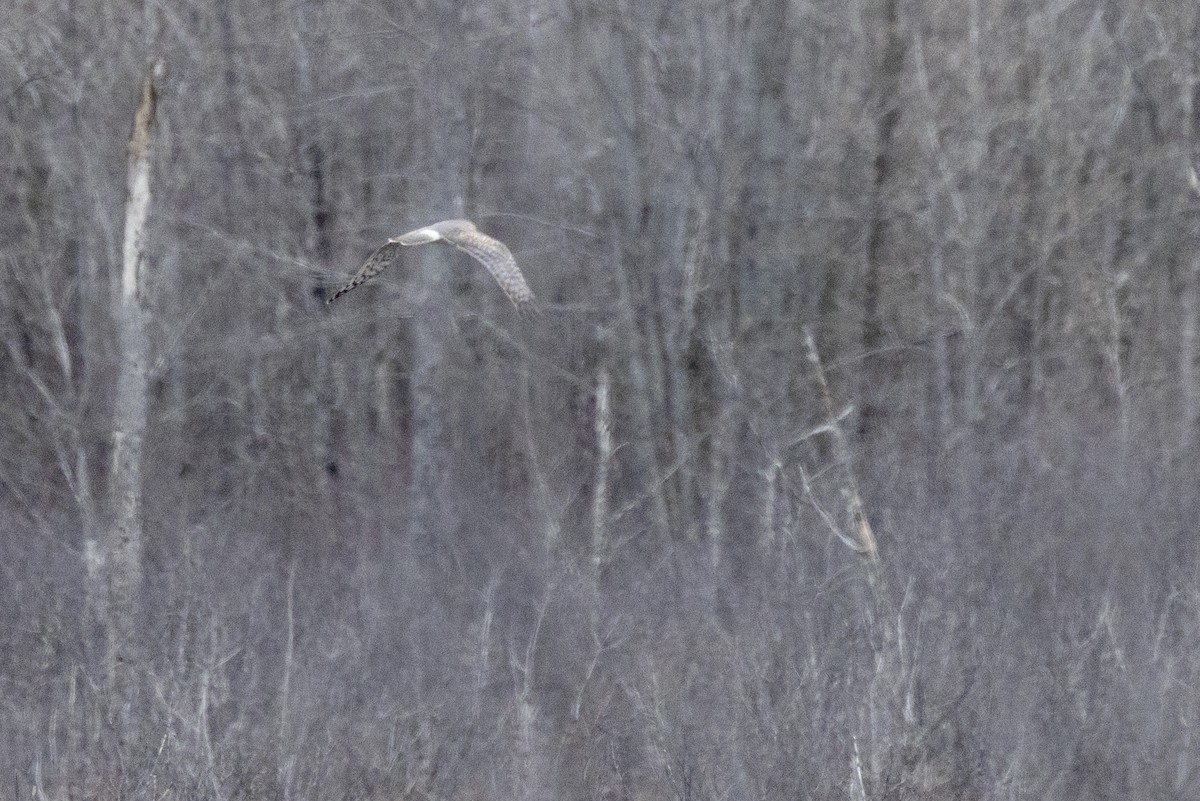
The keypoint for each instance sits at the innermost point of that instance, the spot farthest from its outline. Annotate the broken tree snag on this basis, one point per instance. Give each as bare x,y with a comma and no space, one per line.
863,537
143,121
137,202
131,312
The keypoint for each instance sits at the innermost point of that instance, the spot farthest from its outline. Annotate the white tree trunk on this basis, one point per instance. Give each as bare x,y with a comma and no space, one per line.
124,543
604,454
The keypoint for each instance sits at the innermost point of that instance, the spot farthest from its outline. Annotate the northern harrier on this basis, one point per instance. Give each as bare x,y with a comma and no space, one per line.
463,234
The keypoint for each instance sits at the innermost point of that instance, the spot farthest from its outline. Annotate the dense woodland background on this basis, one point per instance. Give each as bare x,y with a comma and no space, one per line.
411,546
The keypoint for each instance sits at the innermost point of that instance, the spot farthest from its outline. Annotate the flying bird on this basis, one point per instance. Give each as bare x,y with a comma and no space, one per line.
491,253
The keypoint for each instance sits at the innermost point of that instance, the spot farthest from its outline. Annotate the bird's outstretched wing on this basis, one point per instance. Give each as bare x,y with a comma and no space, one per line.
491,253
373,266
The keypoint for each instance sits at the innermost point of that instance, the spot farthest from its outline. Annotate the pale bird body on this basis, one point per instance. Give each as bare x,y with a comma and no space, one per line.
491,253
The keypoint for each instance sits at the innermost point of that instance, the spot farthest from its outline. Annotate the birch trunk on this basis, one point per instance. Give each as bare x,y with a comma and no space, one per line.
124,544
